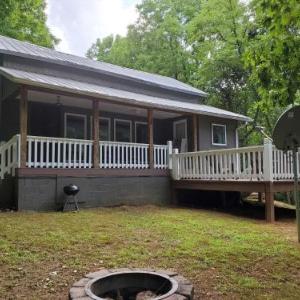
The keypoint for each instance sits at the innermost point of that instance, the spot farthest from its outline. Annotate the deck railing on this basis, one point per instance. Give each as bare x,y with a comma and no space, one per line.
123,155
248,163
119,155
9,156
48,152
265,163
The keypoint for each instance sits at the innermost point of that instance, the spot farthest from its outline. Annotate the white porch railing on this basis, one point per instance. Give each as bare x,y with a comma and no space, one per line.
9,156
161,156
47,152
248,163
118,155
123,155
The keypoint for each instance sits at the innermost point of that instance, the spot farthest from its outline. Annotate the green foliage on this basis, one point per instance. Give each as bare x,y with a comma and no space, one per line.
273,53
156,43
245,54
218,38
26,20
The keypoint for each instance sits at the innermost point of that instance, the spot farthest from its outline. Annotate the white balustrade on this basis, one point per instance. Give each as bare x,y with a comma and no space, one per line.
283,165
161,156
115,155
248,163
9,156
48,152
226,164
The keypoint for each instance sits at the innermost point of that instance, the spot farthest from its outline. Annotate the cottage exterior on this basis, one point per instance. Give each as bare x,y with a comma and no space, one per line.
111,130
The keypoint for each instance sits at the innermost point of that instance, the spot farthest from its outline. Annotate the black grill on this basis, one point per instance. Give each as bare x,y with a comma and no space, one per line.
71,191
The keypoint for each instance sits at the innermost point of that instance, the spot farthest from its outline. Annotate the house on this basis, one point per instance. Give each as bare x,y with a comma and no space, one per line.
110,130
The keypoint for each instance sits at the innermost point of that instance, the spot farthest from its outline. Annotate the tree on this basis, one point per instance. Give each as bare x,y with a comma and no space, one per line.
218,35
26,20
157,42
273,54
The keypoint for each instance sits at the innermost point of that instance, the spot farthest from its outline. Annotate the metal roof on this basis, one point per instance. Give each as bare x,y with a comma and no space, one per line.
115,95
25,49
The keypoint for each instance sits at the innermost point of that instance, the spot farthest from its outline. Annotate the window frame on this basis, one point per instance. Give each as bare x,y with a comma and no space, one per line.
109,127
115,131
135,128
83,116
212,134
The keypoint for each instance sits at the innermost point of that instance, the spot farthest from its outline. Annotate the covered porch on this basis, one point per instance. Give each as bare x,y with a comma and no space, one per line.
57,130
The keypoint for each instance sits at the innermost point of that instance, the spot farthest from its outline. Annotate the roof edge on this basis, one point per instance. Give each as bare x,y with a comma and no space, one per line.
98,71
95,95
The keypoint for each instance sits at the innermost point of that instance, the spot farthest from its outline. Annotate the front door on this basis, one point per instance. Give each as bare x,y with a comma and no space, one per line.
180,135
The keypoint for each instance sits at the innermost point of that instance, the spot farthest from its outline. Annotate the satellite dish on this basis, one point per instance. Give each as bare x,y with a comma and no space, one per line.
286,135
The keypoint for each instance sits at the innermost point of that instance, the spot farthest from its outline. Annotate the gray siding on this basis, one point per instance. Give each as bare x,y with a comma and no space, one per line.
95,78
205,138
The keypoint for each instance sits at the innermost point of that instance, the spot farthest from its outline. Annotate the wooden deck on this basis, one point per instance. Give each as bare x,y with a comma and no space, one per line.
265,187
262,169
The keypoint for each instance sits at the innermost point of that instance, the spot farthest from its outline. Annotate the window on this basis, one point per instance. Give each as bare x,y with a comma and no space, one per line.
75,126
141,132
219,135
104,129
122,130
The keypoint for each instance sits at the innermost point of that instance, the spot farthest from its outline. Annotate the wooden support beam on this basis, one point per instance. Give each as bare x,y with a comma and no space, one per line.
195,133
150,138
23,126
269,203
96,157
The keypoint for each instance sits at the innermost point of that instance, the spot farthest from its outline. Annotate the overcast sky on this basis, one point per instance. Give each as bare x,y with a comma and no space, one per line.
78,23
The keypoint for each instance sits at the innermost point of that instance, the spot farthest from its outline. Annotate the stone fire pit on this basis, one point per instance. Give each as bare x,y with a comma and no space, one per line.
132,284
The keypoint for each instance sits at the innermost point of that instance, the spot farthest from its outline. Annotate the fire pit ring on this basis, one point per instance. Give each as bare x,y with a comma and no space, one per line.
140,284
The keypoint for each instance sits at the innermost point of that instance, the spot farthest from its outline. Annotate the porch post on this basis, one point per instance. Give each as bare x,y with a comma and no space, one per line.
150,138
96,134
23,126
195,133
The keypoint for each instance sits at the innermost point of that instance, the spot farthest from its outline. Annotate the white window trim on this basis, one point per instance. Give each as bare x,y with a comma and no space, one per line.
101,118
124,121
135,127
75,115
179,122
212,134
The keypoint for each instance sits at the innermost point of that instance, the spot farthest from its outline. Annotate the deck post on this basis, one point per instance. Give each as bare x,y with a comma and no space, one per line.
195,133
23,126
268,178
150,138
170,152
175,165
269,203
96,134
268,160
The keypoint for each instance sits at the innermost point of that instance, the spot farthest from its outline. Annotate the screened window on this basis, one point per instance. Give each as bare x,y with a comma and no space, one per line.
219,135
141,132
75,126
122,130
104,129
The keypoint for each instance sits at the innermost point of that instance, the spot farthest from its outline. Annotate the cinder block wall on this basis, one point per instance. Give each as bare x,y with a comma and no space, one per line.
46,193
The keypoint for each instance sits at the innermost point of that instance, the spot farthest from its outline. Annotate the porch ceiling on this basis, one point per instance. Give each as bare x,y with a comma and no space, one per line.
114,95
43,97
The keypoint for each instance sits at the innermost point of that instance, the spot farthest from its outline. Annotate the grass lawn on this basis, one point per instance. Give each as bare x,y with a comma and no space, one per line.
226,257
